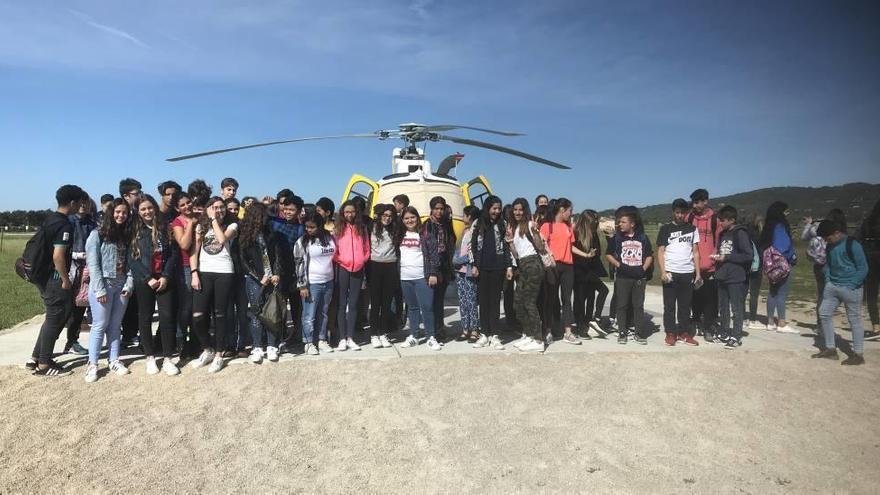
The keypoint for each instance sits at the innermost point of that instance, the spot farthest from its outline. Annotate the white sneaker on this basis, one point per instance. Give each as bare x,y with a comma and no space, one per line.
152,369
770,327
532,345
755,325
169,368
217,364
384,341
256,356
323,346
495,343
374,341
788,329
351,345
410,342
272,353
91,373
521,341
434,345
598,328
342,346
204,358
483,341
311,350
119,368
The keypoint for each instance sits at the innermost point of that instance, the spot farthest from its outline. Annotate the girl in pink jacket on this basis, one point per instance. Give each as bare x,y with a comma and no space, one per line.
352,254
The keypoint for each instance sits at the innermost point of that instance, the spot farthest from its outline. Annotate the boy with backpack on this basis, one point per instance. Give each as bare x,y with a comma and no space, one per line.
630,253
46,264
678,257
705,300
846,268
733,261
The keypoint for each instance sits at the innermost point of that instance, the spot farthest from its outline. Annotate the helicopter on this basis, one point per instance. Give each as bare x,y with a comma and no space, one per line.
411,173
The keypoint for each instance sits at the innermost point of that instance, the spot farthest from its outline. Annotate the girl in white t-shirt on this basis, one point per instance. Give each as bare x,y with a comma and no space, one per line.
313,258
419,270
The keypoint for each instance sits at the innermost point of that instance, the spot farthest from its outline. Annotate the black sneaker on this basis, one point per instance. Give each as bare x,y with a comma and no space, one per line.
826,354
708,338
640,340
30,365
54,369
621,338
719,339
732,343
854,360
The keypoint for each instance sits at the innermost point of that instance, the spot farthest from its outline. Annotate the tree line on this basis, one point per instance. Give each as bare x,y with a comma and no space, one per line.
22,219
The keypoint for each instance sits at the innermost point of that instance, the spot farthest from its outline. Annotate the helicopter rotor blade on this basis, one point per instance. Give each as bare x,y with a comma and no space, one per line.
449,127
227,150
510,151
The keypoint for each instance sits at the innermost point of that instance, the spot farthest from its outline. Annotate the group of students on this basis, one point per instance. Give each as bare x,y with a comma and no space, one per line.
208,264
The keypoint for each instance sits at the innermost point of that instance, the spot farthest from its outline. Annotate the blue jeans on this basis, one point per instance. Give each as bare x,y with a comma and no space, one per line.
107,320
419,299
732,296
255,302
852,300
314,313
776,299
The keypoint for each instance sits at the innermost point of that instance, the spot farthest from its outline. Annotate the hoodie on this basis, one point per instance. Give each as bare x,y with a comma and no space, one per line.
352,250
736,247
707,226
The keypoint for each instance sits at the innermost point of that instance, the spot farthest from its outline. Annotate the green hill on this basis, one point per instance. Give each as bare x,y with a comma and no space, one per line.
856,199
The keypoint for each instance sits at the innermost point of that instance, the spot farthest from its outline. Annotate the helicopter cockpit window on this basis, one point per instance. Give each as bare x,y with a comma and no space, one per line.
478,192
362,190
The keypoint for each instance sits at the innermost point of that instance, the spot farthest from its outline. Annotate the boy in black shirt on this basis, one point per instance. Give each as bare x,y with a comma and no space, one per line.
629,252
732,261
678,257
56,291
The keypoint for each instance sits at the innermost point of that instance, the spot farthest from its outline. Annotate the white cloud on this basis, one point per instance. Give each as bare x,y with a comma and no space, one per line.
108,29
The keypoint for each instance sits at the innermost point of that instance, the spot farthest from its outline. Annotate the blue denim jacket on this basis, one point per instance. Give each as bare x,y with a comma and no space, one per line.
101,260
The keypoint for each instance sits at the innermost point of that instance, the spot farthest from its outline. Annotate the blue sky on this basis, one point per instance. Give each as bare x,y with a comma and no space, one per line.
645,100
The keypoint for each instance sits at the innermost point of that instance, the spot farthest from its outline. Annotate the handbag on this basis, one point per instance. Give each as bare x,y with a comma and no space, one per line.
271,313
82,292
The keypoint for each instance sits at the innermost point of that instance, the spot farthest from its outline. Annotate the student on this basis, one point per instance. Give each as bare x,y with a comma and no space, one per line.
110,285
560,240
313,258
630,253
400,201
678,256
259,280
55,286
212,273
753,227
83,224
541,200
383,273
589,290
705,297
183,230
490,257
285,230
419,270
439,226
523,240
154,260
845,270
869,236
228,188
816,253
129,190
508,286
352,254
325,207
167,209
465,283
106,205
238,335
733,261
777,234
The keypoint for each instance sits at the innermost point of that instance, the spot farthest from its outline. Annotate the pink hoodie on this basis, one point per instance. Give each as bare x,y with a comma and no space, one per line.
352,250
703,222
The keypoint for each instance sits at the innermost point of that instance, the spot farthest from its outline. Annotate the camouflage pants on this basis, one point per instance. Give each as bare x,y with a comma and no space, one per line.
528,283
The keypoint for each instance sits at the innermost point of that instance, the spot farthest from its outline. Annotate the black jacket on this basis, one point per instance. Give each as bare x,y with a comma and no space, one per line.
736,246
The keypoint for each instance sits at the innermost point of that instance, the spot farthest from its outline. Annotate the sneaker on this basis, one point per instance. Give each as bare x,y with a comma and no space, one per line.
872,336
383,340
718,339
30,365
520,341
54,369
598,329
640,340
217,364
342,345
351,345
256,356
434,345
77,349
709,338
495,343
410,342
826,354
272,353
755,325
688,339
374,341
169,368
203,359
770,327
91,373
570,338
621,338
152,369
548,339
119,368
311,349
612,323
324,347
787,329
732,343
853,360
483,341
670,339
532,345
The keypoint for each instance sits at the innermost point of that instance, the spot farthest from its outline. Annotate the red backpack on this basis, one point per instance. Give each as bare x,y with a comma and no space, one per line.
775,266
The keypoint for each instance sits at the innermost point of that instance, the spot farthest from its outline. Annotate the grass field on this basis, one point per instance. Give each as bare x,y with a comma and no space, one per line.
19,300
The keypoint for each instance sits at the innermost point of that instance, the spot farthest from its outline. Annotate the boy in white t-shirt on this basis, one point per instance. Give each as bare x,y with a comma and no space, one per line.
678,257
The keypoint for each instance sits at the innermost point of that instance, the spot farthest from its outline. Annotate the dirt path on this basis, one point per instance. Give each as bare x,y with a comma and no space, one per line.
770,421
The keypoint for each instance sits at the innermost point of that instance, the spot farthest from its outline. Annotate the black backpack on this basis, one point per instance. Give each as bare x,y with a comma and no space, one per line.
32,265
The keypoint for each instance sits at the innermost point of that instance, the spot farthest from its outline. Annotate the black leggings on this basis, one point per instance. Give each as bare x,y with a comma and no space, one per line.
384,282
489,286
552,293
147,299
216,289
589,292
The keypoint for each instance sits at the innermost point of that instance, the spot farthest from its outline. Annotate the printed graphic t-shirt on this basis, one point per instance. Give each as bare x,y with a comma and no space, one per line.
215,257
631,251
412,261
679,241
321,262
